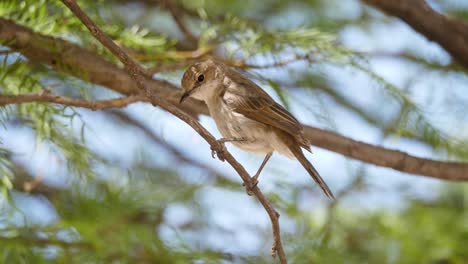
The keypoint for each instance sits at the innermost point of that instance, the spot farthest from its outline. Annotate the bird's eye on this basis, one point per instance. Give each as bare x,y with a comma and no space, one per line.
201,77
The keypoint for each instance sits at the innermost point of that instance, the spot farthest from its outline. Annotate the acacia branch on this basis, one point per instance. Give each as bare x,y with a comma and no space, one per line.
171,66
177,15
88,66
180,156
137,74
69,58
394,159
46,97
450,33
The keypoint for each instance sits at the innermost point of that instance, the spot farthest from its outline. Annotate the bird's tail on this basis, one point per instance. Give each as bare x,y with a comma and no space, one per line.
297,151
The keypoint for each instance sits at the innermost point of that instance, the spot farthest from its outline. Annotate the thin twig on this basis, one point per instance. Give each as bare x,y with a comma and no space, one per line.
170,66
180,156
177,15
174,55
46,96
33,184
236,63
281,63
136,73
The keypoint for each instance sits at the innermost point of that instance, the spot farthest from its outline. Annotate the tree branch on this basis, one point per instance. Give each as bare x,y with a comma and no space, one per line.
171,66
450,33
180,156
27,183
69,58
137,74
47,97
394,159
177,15
90,67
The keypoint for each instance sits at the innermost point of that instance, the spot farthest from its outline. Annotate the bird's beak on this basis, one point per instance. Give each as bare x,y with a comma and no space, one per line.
184,96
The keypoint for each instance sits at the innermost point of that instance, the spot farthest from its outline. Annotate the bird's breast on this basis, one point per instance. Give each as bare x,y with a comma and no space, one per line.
233,125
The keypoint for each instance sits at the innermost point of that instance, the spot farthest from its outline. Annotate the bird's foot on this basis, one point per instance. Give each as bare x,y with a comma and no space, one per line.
218,150
253,184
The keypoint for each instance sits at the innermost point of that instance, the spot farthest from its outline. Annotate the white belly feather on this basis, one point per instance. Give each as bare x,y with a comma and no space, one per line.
259,138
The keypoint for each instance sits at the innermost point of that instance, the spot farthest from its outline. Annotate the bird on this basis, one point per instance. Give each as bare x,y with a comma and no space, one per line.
247,116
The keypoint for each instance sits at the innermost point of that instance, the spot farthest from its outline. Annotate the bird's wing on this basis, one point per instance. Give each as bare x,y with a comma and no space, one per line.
260,107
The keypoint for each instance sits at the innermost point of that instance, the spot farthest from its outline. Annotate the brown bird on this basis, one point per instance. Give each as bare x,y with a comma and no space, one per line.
247,116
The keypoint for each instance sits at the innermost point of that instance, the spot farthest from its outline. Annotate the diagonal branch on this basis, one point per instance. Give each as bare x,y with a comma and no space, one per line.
450,33
90,67
126,118
137,74
32,184
177,15
47,97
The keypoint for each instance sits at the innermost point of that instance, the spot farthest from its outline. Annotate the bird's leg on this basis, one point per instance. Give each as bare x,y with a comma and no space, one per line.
255,177
267,158
219,151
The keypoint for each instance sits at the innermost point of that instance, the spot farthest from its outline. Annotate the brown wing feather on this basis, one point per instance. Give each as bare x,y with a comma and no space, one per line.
297,152
257,105
268,112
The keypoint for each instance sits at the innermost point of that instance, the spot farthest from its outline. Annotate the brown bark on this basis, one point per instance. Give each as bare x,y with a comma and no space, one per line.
450,33
69,58
47,97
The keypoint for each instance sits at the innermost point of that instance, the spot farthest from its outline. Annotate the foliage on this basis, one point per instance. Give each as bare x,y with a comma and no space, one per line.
253,39
395,237
53,18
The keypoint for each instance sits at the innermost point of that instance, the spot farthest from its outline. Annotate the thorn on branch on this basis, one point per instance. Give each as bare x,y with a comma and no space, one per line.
218,151
249,187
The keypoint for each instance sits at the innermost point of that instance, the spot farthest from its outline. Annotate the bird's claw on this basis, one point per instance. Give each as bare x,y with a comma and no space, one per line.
218,151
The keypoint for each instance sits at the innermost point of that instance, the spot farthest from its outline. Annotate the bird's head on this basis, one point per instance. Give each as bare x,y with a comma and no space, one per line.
201,80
